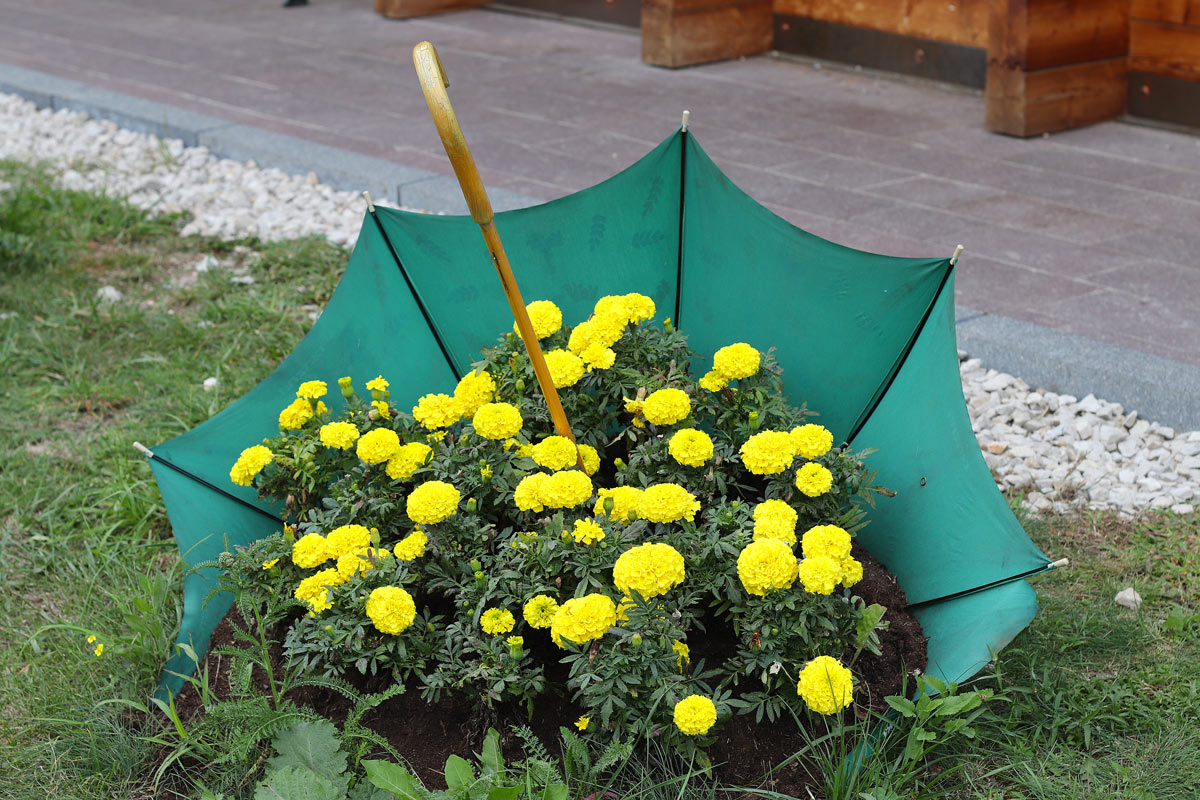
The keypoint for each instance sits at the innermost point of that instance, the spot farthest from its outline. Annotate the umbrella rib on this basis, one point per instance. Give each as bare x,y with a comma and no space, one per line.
683,135
1029,573
908,348
214,487
416,297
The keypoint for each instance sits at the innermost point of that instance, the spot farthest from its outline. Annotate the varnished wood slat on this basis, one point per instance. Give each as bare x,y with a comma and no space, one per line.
959,21
1030,103
678,33
403,9
1165,49
1179,12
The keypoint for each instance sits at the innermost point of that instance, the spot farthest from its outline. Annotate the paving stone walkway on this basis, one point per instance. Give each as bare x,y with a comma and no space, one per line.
1093,232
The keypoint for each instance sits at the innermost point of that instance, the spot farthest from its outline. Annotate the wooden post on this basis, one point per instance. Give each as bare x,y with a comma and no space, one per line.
1055,64
678,33
402,9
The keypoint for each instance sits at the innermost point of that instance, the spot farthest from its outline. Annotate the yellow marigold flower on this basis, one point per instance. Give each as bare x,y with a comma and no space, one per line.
412,546
695,715
713,381
634,406
382,409
826,540
811,441
813,479
436,436
346,385
497,421
391,609
407,460
432,502
612,304
583,722
435,411
268,564
310,550
581,337
649,569
623,607
351,564
666,406
249,464
475,389
852,572
539,612
565,367
515,642
496,621
625,500
775,519
312,390
768,452
347,539
377,445
820,574
597,356
545,317
295,415
566,489
607,328
691,447
587,532
555,452
683,654
582,619
590,459
338,435
99,651
825,685
765,566
528,494
486,472
377,384
667,502
638,307
315,591
736,361
91,639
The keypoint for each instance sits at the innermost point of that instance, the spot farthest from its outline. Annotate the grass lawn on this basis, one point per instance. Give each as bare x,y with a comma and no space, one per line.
1094,701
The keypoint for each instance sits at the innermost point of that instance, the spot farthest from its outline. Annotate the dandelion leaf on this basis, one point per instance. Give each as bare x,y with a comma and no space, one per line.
313,745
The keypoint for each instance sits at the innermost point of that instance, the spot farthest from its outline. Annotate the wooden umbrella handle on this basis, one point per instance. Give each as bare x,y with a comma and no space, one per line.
433,84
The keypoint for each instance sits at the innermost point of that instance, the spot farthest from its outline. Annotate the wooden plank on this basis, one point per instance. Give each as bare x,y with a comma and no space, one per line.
403,9
678,33
1165,49
1024,103
1062,32
1180,12
958,21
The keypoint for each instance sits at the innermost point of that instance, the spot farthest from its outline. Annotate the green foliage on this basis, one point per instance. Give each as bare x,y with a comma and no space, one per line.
312,745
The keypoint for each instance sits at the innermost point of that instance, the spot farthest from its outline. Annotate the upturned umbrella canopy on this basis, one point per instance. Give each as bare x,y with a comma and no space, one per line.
867,340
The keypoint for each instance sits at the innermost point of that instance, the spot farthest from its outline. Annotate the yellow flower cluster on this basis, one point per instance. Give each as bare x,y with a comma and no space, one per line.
667,502
775,519
565,367
590,458
528,494
738,360
316,591
825,685
587,532
625,500
811,441
496,621
351,564
391,609
555,452
713,381
683,654
604,329
377,446
497,421
649,569
545,317
432,502
820,574
539,611
347,539
407,460
435,411
565,489
768,452
631,307
813,479
666,406
378,384
310,550
411,547
766,565
695,714
249,464
582,619
312,390
691,447
597,356
475,389
827,560
338,435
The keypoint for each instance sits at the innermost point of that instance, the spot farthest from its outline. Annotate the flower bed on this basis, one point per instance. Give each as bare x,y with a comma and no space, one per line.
648,574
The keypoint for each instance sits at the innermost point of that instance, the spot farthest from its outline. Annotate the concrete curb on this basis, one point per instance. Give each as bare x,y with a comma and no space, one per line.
1158,388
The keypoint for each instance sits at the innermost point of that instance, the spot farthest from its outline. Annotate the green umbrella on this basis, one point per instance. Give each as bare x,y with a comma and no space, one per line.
868,340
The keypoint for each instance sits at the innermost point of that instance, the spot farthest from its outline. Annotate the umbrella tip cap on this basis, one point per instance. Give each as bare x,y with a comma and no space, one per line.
1062,562
958,251
684,125
141,448
370,206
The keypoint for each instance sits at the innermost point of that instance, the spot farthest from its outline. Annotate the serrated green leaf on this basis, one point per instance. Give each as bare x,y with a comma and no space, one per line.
313,745
296,783
395,779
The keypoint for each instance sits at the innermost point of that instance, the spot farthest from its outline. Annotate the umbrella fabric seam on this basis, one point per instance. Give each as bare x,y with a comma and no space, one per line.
1001,582
214,487
679,251
437,336
865,417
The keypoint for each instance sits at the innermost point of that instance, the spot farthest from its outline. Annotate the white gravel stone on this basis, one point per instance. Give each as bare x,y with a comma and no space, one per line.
210,384
109,294
1129,598
1065,452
